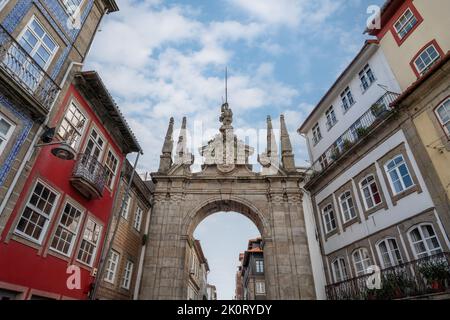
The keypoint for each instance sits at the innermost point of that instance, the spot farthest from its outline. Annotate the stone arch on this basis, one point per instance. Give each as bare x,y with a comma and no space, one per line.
232,204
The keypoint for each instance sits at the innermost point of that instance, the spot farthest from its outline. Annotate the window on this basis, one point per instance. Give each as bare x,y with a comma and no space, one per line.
95,145
426,59
323,160
128,272
317,136
339,270
347,99
6,130
424,241
355,127
66,233
111,267
260,287
399,176
370,192
37,213
361,259
138,219
38,43
347,206
72,126
367,78
111,169
89,243
389,253
71,6
260,266
329,218
126,206
331,117
405,23
443,114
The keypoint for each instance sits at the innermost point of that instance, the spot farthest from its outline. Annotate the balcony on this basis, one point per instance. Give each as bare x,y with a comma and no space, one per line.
360,129
26,73
89,176
428,276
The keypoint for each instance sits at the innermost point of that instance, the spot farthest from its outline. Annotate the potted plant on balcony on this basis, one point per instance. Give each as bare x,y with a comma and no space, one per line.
346,144
335,153
378,109
436,273
361,132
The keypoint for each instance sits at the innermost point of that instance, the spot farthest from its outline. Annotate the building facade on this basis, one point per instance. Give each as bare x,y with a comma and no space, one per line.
198,274
239,291
211,292
370,189
252,274
413,36
121,275
42,43
57,227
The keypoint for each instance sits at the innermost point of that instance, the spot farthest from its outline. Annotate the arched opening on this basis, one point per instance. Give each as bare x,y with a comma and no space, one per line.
225,232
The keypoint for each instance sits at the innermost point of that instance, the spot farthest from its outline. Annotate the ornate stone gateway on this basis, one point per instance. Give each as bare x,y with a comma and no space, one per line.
272,199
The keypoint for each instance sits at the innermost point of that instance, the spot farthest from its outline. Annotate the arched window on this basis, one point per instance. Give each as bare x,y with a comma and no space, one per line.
398,174
329,218
339,270
347,206
361,260
370,191
389,253
424,241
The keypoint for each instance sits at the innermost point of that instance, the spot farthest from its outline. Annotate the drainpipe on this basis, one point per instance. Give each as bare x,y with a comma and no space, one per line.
31,149
137,286
107,252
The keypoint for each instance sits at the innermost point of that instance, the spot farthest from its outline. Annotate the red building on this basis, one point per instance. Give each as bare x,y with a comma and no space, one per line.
61,218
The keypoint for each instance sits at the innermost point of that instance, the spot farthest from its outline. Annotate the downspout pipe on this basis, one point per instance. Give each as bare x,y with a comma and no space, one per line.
107,252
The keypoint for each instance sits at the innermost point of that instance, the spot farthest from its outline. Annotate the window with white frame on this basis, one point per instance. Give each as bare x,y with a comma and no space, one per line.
339,270
89,243
67,230
323,160
426,59
111,166
72,126
389,253
38,211
331,117
405,23
317,135
347,206
347,99
367,77
259,266
127,274
95,145
38,43
111,266
138,219
72,6
260,287
6,130
398,173
329,218
443,114
361,260
424,241
126,206
370,191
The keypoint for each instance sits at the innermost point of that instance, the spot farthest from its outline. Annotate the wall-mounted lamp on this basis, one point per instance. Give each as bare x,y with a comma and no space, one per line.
62,149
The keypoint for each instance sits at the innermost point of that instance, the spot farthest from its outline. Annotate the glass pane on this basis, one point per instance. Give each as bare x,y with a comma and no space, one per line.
49,43
4,127
37,28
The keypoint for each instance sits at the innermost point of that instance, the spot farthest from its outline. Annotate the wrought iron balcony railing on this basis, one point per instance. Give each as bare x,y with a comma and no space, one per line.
89,176
24,70
362,127
428,275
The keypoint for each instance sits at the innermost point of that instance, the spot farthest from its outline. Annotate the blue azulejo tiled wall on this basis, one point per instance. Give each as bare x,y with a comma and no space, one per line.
56,15
27,123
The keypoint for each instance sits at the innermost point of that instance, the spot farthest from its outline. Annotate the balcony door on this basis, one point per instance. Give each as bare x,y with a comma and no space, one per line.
93,153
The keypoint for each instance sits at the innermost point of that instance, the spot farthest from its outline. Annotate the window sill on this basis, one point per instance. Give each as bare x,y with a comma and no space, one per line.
373,210
331,233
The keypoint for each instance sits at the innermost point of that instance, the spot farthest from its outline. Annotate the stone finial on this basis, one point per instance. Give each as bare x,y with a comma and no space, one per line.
272,148
287,157
182,155
166,158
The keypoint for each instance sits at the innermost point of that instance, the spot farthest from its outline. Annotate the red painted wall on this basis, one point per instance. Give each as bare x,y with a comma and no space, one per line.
29,267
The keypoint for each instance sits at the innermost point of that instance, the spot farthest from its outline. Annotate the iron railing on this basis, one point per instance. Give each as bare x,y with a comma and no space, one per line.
412,279
24,70
90,170
357,131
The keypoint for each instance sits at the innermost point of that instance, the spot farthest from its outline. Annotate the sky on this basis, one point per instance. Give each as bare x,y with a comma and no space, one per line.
164,58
